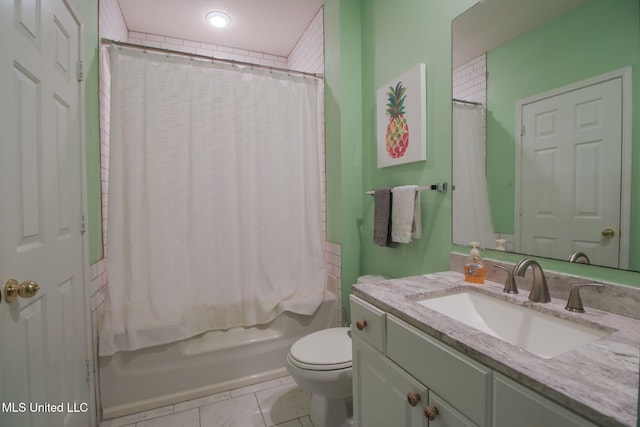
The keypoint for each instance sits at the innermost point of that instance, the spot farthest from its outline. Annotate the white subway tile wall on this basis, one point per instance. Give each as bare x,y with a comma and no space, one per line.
111,22
470,80
308,53
333,261
470,84
112,26
207,49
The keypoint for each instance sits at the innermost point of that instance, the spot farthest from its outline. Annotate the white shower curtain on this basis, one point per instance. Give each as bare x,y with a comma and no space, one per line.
214,199
471,214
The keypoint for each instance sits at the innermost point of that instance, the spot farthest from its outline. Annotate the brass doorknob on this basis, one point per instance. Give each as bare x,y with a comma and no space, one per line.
13,290
608,233
431,412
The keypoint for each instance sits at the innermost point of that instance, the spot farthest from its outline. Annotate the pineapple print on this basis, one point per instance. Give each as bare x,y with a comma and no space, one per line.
397,130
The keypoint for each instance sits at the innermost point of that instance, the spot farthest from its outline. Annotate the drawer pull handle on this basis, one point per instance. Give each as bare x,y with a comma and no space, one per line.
413,398
361,324
431,412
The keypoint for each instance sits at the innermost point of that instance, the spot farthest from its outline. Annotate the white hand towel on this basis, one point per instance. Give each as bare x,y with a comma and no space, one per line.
416,226
405,214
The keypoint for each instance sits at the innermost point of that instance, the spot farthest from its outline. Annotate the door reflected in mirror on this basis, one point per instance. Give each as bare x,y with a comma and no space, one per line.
543,129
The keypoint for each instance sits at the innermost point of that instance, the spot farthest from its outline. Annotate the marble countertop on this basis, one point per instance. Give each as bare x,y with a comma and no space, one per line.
598,380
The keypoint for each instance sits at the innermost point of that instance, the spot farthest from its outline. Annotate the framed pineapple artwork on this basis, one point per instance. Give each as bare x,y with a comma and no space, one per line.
401,119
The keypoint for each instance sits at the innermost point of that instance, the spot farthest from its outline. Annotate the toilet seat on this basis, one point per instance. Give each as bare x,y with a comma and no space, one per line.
326,350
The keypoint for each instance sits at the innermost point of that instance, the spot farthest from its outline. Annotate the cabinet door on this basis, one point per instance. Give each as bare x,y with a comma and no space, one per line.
461,381
514,404
447,416
380,391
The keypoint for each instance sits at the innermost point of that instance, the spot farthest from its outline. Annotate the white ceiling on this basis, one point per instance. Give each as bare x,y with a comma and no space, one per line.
268,26
490,24
274,26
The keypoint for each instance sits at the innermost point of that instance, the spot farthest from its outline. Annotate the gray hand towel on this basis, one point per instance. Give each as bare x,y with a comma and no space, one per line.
382,218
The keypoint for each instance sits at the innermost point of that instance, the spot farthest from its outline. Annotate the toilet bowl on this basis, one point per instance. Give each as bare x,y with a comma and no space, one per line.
321,363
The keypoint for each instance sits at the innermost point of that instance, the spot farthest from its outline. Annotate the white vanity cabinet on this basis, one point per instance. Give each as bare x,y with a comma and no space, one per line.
385,394
399,371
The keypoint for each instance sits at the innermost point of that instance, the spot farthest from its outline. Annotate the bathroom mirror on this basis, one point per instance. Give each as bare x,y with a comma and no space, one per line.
543,129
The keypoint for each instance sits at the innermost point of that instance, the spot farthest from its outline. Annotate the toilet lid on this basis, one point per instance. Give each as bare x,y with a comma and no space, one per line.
323,350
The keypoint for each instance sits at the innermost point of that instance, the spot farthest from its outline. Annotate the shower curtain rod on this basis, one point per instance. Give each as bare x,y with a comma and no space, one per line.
209,58
462,101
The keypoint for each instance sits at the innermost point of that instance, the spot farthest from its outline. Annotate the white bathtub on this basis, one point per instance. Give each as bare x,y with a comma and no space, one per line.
209,363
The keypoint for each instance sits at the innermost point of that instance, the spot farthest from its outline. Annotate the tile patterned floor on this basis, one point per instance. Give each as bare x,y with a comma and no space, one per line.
280,402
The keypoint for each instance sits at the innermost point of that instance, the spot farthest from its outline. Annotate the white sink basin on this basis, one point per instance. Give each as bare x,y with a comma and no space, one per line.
542,334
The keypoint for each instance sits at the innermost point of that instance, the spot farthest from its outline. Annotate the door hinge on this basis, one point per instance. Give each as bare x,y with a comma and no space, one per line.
522,130
80,71
88,365
83,228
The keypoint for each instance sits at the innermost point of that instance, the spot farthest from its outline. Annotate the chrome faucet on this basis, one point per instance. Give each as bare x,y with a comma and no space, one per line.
539,289
574,303
578,256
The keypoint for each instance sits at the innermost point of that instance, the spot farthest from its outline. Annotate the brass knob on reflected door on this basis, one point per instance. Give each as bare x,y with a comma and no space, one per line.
13,290
431,412
413,398
608,233
361,324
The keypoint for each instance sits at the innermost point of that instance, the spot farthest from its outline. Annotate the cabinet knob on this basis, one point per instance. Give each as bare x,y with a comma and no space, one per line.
413,398
431,412
361,324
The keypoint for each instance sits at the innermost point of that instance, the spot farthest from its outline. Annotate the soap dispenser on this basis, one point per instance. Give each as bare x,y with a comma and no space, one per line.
474,269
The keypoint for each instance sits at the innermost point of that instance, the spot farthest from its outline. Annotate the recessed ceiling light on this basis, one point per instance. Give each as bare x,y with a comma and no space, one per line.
218,19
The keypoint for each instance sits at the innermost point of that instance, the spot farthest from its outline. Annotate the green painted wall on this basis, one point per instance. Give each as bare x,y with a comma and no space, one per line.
88,10
343,115
367,44
396,37
595,38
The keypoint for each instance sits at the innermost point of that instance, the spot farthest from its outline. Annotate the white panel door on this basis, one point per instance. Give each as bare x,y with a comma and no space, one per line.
43,373
570,174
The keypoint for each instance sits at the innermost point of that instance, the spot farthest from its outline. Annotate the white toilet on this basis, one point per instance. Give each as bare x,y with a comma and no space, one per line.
321,364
